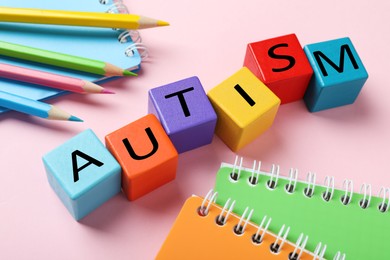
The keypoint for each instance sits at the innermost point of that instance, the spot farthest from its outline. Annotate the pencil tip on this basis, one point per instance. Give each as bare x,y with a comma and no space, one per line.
75,119
162,23
106,91
129,73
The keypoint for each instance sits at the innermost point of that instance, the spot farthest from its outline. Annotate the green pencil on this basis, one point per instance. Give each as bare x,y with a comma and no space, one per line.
61,60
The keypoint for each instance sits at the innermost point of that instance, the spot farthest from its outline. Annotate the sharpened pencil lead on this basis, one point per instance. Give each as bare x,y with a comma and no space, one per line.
129,73
162,23
75,119
106,91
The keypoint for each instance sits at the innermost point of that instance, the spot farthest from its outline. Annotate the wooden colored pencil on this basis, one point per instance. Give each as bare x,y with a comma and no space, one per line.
34,107
110,20
50,80
61,60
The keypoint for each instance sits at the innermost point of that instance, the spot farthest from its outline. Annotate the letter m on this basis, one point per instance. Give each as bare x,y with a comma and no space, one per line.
319,56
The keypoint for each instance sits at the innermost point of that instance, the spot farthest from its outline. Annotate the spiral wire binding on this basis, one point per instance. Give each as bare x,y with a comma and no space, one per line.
221,219
329,184
365,202
271,183
290,187
383,207
348,186
233,175
257,238
239,229
106,2
276,247
300,245
140,47
339,256
210,198
117,6
319,251
254,180
127,35
311,184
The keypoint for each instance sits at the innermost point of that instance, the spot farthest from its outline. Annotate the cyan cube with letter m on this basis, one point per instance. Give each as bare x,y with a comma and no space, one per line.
338,77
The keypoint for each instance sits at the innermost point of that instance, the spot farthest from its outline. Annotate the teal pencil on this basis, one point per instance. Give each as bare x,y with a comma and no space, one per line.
34,107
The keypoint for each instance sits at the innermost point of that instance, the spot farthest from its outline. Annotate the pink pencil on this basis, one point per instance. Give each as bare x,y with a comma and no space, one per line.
50,80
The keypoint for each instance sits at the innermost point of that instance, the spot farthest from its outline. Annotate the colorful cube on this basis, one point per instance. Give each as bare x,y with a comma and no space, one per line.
245,108
185,113
146,154
83,173
281,64
339,74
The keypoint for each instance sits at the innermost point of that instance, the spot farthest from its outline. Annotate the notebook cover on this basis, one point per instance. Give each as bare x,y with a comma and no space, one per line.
359,233
199,237
94,43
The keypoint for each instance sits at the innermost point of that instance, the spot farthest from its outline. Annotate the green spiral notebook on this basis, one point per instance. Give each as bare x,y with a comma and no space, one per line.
358,224
117,47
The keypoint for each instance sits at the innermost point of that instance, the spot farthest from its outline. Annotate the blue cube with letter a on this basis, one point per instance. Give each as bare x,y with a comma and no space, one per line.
338,77
83,173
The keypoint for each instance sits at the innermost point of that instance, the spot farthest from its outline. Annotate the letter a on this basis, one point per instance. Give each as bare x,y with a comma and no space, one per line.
90,160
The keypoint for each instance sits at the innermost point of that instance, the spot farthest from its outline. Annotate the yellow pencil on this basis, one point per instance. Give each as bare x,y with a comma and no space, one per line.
91,19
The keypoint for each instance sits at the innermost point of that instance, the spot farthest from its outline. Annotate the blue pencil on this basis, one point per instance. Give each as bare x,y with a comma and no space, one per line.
33,107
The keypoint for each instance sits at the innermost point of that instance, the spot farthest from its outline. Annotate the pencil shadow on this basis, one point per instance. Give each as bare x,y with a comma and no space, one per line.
95,100
360,111
23,86
64,126
205,157
108,214
118,208
118,83
69,31
162,199
268,144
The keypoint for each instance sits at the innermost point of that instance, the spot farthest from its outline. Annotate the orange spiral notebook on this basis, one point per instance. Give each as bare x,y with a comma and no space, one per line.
204,230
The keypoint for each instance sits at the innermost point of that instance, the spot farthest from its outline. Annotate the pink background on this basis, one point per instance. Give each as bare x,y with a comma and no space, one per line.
206,39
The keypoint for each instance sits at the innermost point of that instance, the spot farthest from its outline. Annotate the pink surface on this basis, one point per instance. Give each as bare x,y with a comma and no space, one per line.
207,39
